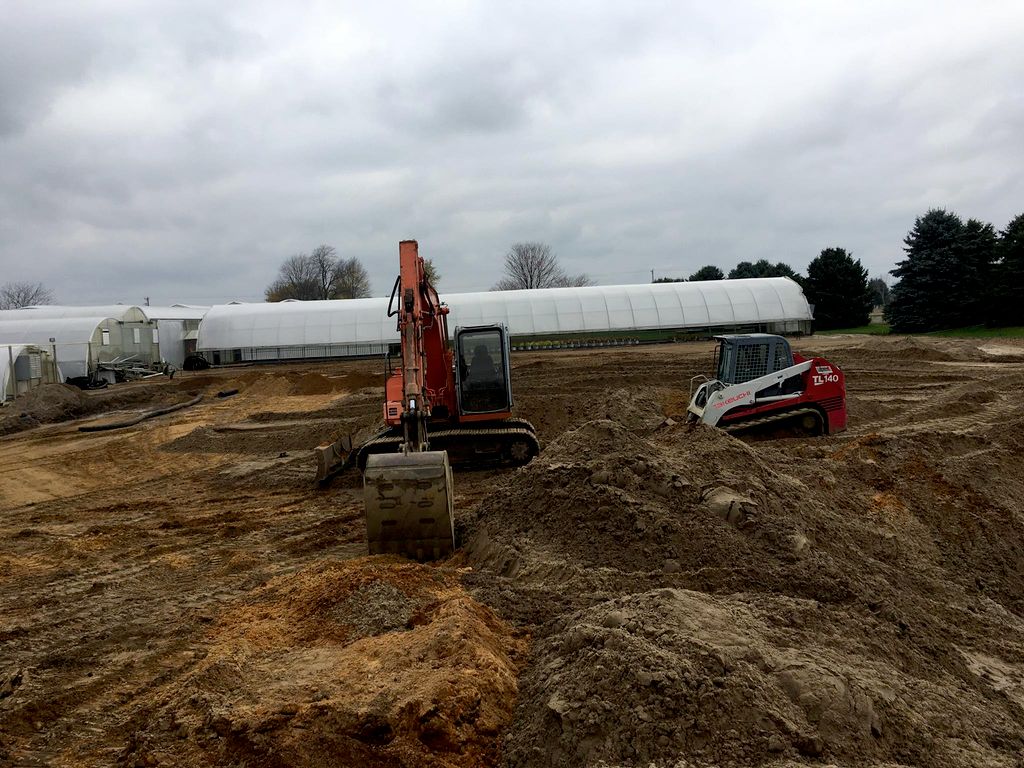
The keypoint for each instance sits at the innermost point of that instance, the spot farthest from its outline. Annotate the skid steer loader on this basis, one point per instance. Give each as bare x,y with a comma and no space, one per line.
761,384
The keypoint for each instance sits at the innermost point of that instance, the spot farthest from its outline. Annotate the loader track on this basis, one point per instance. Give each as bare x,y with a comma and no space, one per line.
775,418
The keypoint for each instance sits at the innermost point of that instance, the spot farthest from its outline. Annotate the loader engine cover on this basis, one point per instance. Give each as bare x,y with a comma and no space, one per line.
408,500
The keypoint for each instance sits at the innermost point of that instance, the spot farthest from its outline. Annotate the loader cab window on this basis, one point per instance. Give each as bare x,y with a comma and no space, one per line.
742,358
726,361
483,370
751,361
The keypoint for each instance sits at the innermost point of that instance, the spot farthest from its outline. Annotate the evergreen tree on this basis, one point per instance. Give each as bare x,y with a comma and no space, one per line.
1008,275
837,286
973,296
709,272
743,270
920,300
761,268
943,282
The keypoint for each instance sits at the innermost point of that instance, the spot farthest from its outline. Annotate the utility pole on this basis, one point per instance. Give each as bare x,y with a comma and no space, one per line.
53,360
652,275
147,301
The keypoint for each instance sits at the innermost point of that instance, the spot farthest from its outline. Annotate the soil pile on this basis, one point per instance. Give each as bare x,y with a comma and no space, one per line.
255,437
692,599
52,403
850,600
272,382
43,405
364,662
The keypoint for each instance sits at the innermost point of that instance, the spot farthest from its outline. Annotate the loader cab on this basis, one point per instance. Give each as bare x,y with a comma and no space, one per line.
482,370
746,356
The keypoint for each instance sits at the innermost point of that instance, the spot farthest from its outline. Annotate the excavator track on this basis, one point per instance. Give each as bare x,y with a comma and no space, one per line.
746,426
516,440
517,435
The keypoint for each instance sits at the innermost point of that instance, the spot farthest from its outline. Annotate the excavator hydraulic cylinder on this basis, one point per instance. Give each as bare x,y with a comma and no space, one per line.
408,500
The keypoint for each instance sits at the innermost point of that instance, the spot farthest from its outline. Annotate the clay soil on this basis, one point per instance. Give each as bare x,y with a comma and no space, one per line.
643,593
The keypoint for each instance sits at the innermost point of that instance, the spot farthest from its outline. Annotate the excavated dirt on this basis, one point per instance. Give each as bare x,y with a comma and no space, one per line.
643,593
60,402
363,662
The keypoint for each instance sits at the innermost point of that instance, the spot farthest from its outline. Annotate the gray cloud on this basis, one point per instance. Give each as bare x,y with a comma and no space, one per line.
181,150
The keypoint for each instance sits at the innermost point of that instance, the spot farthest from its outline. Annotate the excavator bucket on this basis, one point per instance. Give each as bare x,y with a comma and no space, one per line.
408,501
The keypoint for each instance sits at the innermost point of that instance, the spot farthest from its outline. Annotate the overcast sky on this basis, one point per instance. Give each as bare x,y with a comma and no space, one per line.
181,149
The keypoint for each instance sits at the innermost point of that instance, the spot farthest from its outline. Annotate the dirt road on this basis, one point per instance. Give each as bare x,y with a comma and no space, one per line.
179,593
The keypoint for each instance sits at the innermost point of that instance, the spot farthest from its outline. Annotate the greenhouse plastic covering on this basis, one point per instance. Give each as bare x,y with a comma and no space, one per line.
128,313
71,335
8,353
124,312
709,304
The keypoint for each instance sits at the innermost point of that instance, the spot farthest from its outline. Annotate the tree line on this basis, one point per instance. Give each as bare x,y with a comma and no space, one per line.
955,273
321,274
836,284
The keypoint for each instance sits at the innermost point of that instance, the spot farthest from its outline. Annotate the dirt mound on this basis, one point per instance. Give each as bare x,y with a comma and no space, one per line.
378,662
52,403
1006,351
274,382
257,437
651,506
904,349
650,676
670,578
43,405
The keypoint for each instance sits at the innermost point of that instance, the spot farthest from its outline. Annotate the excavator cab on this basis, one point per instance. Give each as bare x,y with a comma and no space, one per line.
483,383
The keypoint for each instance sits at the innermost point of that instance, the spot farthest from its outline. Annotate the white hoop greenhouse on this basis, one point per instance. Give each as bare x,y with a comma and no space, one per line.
177,326
317,329
79,342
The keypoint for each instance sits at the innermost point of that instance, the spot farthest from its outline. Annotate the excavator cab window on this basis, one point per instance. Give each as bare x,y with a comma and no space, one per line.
482,368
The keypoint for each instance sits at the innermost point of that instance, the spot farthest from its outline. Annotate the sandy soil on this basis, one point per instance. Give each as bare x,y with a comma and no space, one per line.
180,593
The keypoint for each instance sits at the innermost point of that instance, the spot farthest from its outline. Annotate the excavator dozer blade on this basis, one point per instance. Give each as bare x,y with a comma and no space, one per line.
332,458
409,504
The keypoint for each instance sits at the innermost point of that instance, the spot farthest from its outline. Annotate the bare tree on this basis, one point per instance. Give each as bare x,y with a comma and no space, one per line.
432,274
296,279
17,295
879,291
582,280
319,275
534,265
324,262
350,280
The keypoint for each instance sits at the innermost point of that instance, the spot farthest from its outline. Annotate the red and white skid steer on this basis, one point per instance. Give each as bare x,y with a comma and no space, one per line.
762,385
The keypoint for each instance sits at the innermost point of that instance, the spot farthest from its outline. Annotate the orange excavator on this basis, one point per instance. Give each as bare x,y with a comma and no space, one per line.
450,401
